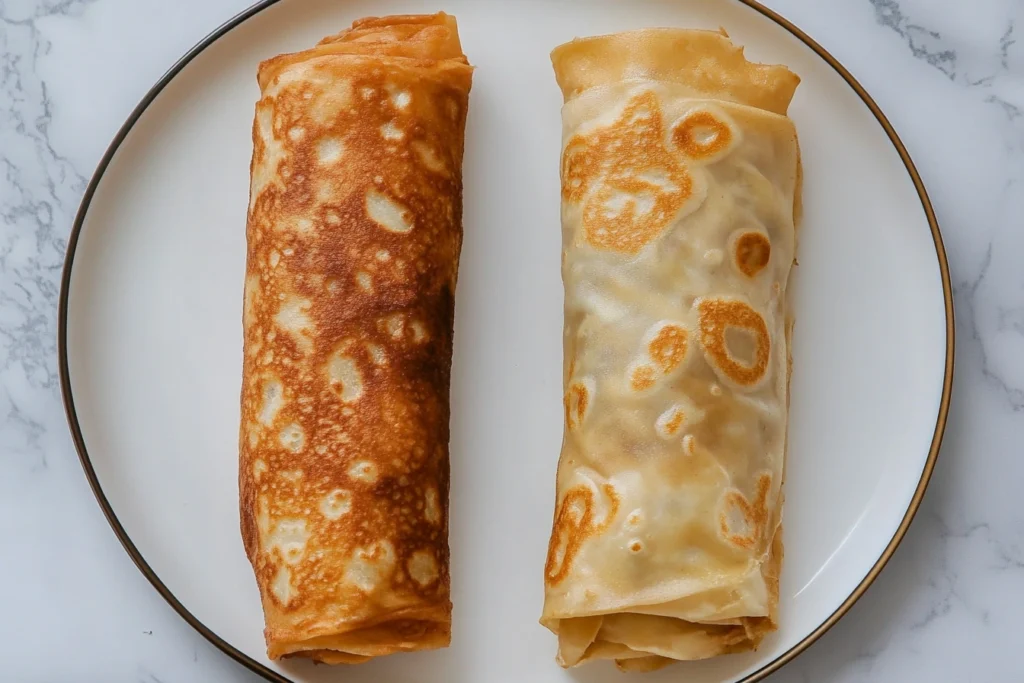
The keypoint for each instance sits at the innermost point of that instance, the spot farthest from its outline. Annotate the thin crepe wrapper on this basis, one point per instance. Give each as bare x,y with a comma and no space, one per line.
354,233
680,197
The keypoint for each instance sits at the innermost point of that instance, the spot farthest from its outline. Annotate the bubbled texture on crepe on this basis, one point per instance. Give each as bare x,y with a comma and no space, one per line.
354,232
680,185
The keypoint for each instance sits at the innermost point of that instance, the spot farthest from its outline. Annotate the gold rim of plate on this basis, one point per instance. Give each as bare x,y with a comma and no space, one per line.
269,674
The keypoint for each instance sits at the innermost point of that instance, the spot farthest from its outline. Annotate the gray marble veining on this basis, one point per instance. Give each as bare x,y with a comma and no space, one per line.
40,193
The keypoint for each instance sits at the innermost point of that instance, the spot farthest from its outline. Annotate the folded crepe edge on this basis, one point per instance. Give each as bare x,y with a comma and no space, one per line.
706,62
427,39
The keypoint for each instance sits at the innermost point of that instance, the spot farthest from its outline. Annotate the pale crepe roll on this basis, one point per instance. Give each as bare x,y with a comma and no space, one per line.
680,196
354,233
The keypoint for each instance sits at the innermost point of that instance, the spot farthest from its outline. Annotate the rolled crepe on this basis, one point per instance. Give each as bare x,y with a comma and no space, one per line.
680,192
354,233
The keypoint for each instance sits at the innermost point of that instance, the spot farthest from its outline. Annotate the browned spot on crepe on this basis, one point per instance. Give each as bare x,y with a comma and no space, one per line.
754,515
577,400
674,422
642,378
716,316
702,135
614,167
752,252
668,348
574,524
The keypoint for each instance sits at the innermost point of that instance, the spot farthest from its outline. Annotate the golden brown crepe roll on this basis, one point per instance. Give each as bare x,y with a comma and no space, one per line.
354,232
680,194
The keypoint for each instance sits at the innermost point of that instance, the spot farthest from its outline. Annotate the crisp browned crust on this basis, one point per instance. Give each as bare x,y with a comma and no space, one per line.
354,233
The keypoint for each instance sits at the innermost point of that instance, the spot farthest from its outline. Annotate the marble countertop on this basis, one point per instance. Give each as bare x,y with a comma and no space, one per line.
950,76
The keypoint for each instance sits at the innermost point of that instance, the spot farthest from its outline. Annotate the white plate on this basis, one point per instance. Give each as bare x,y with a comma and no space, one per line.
151,337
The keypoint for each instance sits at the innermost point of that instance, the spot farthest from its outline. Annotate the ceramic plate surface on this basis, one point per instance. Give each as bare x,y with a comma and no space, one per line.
151,337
